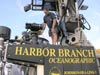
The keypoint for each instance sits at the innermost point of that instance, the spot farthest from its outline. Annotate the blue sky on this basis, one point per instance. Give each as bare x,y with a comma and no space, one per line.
13,16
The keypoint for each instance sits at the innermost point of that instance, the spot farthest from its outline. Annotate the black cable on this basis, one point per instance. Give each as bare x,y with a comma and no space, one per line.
89,28
60,28
84,21
64,13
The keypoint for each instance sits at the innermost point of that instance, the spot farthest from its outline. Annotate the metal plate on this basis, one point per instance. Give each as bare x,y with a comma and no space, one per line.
57,60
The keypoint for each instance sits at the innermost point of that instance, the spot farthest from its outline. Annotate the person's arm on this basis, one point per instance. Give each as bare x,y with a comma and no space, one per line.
54,23
44,24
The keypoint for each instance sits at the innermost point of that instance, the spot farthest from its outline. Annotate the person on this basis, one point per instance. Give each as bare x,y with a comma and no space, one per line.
51,22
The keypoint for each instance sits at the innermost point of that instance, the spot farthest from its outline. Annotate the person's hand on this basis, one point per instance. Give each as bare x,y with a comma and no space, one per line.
44,26
52,30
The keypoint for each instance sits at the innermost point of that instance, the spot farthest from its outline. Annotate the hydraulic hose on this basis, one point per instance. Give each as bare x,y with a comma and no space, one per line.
83,19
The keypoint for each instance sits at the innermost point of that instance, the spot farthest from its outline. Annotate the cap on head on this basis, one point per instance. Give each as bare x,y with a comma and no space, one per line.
47,6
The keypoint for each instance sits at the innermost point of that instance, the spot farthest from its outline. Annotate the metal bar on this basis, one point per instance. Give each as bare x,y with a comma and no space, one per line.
27,71
36,5
78,22
1,51
9,67
80,2
1,69
32,3
5,59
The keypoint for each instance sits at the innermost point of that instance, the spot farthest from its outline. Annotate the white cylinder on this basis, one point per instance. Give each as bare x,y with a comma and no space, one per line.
1,43
40,70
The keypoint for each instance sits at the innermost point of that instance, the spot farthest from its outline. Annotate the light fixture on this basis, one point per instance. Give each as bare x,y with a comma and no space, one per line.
27,7
84,7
